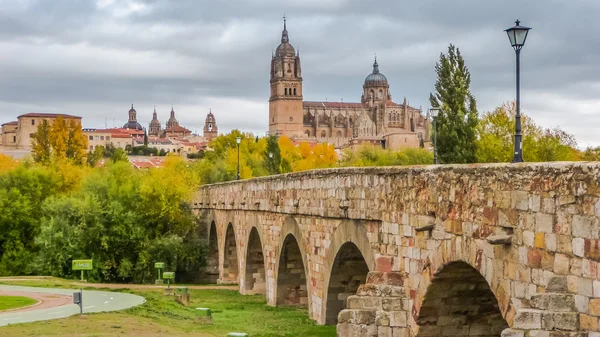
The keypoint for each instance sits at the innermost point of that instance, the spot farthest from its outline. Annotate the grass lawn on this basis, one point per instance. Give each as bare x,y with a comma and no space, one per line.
13,302
162,316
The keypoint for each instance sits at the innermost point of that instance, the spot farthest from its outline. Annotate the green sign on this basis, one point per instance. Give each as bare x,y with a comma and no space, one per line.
159,265
169,275
82,264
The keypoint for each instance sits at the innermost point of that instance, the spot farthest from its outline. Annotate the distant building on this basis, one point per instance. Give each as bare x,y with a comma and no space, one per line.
376,119
132,123
18,134
211,131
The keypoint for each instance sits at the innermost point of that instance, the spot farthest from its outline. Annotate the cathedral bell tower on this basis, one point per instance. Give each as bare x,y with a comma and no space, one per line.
285,102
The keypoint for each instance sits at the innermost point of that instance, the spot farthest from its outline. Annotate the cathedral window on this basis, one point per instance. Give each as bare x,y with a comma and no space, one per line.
380,93
323,134
294,91
307,133
285,90
339,133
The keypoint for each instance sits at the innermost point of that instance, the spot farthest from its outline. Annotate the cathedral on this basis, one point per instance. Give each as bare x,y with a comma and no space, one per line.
376,119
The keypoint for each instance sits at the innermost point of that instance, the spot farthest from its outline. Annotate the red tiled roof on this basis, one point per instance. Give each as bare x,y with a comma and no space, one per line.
177,128
316,104
47,115
120,135
10,123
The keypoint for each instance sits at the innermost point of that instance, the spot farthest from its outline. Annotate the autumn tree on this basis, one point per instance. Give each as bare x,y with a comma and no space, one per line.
62,140
495,139
457,119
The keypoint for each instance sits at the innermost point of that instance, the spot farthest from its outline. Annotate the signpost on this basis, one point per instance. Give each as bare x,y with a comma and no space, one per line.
169,275
82,265
159,266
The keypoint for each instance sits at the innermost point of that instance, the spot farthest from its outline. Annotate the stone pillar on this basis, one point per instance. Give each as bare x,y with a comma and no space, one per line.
379,308
554,313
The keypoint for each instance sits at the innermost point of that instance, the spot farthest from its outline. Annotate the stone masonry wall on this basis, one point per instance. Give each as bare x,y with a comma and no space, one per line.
521,227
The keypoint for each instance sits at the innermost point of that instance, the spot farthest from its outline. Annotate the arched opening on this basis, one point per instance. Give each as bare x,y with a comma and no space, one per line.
212,261
323,133
294,91
339,133
348,272
291,275
255,266
230,259
307,133
460,299
285,91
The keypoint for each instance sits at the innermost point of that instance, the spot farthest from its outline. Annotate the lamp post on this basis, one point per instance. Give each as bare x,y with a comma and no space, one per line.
270,162
434,113
238,140
517,36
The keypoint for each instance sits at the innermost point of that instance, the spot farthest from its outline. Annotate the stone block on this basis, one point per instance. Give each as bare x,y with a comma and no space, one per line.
544,223
592,249
391,303
553,301
588,323
402,332
346,316
582,303
364,317
566,321
551,242
557,284
561,264
430,331
596,287
398,318
520,200
578,246
382,318
528,319
384,331
594,306
582,226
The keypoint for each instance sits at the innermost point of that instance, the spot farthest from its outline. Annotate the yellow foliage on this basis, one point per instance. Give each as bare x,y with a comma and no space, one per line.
7,163
61,140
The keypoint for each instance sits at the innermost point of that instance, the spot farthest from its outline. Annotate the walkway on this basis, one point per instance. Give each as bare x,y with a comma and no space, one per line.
93,301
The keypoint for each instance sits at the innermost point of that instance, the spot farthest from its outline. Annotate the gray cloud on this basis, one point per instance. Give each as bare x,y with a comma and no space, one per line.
93,58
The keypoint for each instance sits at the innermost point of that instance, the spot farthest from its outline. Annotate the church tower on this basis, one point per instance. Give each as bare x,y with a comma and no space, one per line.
154,129
285,102
210,127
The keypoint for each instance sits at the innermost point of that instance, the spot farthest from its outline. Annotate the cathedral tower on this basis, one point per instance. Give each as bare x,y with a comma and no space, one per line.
154,129
210,127
285,102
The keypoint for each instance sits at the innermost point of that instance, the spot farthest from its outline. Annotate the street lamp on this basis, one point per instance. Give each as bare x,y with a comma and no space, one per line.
270,162
434,113
517,36
238,140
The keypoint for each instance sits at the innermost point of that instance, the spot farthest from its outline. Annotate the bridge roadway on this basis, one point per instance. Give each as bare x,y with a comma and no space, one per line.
93,301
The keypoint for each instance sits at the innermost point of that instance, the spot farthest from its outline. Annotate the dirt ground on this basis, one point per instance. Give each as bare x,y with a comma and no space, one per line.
45,301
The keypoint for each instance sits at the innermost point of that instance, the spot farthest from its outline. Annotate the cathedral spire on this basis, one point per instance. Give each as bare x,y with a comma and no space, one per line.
284,33
375,66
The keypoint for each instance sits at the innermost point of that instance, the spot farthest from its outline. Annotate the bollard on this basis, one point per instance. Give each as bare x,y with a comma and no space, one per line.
237,334
203,316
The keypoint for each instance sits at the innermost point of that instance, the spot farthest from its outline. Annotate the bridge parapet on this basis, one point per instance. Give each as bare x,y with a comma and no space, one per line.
511,228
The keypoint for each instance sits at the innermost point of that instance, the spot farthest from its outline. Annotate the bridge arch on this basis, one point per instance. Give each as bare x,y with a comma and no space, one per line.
348,261
212,258
254,271
230,270
292,284
460,253
459,302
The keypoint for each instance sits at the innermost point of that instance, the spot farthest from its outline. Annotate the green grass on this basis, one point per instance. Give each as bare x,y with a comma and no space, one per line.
13,302
162,316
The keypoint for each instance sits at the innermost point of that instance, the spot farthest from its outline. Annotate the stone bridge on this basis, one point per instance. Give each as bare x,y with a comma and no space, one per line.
468,250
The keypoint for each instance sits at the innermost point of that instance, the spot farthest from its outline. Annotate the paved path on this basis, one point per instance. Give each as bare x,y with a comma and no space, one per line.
93,301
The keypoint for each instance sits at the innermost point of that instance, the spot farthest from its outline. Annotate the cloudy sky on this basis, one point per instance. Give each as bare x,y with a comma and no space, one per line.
94,58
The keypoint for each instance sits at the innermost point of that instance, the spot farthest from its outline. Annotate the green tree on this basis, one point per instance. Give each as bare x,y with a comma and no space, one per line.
94,156
145,138
119,156
457,120
272,156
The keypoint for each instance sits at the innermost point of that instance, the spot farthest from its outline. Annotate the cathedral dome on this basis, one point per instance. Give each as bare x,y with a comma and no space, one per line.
285,48
133,125
376,78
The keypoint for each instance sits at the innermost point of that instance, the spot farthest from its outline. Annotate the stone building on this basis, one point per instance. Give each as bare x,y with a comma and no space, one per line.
375,119
154,129
17,134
